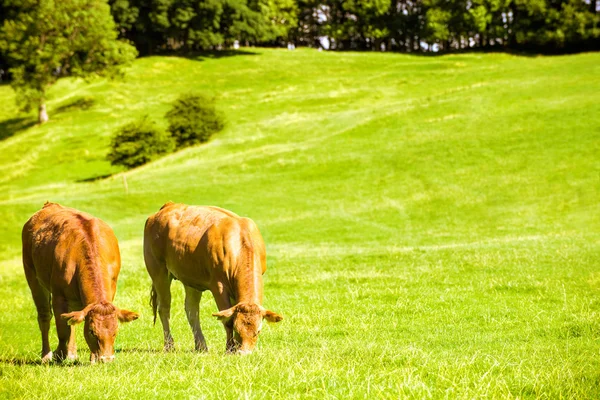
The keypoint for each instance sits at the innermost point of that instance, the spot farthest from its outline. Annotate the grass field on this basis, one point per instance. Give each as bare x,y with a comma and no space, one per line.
432,224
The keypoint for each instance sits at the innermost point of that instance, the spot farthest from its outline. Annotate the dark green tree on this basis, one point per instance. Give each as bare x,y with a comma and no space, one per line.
280,17
406,23
193,119
553,25
158,25
45,40
7,11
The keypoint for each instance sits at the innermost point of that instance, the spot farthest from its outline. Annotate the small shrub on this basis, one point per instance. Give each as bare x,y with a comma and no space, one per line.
137,143
193,119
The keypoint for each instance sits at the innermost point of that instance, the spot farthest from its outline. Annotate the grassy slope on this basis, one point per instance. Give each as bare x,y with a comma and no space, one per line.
431,223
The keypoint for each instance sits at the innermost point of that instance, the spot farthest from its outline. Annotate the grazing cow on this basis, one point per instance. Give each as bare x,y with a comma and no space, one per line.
208,248
71,262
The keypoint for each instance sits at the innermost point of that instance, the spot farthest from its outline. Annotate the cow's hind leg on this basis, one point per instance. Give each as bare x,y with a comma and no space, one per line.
192,308
41,298
162,287
161,294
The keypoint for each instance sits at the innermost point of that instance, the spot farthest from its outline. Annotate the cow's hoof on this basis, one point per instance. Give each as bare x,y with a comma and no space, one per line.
47,358
202,349
59,356
169,347
71,358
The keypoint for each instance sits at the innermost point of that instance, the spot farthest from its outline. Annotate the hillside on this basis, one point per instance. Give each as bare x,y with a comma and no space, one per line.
431,222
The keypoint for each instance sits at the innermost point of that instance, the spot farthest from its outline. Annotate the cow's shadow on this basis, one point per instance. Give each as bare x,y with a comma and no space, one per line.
138,350
18,361
21,361
158,351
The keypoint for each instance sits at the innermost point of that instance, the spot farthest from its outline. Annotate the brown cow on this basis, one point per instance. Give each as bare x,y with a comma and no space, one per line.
208,248
71,262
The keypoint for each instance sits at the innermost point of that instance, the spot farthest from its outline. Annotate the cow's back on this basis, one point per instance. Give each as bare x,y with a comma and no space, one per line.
199,244
58,240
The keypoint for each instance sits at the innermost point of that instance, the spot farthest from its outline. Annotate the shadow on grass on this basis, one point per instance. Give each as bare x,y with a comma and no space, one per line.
515,51
20,361
94,178
11,127
212,54
78,103
139,350
158,351
473,50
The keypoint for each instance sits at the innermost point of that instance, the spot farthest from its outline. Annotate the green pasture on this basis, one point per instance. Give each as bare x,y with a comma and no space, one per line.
432,224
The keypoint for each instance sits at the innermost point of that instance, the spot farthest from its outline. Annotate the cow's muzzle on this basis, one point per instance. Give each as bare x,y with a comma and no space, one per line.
106,359
101,359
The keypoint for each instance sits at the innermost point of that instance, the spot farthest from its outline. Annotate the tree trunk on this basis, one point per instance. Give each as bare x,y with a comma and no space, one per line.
42,114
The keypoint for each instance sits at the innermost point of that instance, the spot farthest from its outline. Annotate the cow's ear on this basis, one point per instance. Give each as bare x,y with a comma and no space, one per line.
271,316
225,314
127,316
75,317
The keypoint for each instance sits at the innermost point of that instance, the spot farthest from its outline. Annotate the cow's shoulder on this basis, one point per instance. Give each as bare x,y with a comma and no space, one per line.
222,211
79,223
43,215
167,204
55,222
168,211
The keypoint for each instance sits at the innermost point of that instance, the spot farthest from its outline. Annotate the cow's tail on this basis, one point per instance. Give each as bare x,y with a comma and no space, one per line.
154,302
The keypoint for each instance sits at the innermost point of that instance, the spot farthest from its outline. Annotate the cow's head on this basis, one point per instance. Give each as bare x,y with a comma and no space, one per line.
101,326
246,321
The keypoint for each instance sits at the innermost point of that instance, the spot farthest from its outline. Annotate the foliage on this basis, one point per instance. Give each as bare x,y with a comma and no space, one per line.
137,143
560,25
193,119
202,24
280,17
45,40
156,26
554,24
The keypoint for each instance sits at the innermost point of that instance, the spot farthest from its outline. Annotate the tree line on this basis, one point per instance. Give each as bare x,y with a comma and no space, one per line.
156,26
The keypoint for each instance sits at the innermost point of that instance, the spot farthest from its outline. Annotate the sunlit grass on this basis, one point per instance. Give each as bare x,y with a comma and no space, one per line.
432,225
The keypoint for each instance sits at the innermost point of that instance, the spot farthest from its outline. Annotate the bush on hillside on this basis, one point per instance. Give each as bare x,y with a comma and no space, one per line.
138,142
193,119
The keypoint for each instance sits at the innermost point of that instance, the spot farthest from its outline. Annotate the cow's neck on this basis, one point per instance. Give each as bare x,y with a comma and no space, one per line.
245,292
91,285
246,283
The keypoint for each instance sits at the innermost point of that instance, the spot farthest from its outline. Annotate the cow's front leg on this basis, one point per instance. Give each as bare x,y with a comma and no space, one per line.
72,345
223,301
60,306
231,346
192,308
